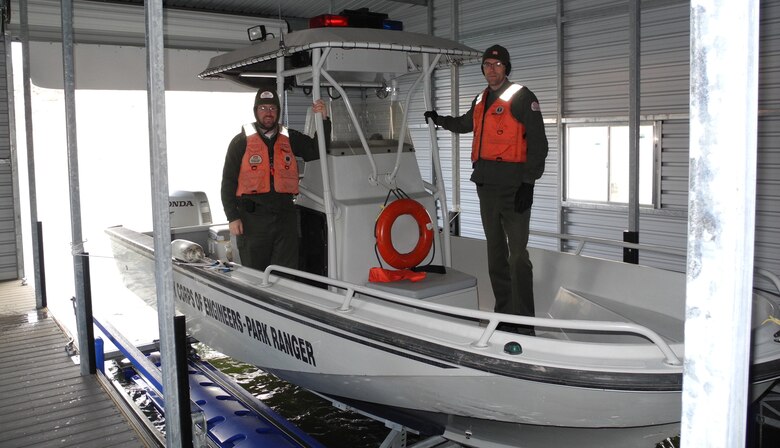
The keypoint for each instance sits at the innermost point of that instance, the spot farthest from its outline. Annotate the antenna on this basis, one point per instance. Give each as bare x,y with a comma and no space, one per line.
281,39
280,83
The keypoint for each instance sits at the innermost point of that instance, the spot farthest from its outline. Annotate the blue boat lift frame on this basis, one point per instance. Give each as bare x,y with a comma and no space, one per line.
231,416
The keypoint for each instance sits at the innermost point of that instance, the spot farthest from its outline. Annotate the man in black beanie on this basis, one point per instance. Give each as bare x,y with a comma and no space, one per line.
507,153
260,180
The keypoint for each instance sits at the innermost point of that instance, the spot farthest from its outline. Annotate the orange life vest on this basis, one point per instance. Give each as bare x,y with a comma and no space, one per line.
499,136
256,170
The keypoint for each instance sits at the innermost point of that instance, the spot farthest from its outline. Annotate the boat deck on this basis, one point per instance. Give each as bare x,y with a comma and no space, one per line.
44,399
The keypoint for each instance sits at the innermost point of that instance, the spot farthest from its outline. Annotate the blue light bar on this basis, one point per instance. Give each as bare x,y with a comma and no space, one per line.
395,25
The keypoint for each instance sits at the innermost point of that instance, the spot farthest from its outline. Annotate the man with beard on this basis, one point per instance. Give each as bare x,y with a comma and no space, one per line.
260,180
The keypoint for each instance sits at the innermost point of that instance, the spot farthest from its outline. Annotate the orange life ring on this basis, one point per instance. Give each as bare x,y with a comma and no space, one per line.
384,227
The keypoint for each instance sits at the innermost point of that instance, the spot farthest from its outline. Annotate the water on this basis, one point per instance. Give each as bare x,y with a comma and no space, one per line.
330,426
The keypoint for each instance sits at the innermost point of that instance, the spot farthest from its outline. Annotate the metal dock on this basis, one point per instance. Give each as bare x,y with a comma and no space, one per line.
44,400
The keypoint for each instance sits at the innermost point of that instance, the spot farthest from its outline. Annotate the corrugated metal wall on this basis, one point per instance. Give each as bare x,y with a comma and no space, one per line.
532,44
9,263
594,85
529,32
767,249
596,75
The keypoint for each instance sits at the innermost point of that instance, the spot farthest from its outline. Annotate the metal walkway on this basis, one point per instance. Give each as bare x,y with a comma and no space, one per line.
44,400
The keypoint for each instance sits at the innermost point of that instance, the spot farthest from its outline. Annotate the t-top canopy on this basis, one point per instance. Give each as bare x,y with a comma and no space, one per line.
247,59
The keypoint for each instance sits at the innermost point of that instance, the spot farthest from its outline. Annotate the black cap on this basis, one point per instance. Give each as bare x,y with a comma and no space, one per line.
500,53
266,95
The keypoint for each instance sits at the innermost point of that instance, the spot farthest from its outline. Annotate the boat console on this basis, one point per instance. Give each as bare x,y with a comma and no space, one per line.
358,203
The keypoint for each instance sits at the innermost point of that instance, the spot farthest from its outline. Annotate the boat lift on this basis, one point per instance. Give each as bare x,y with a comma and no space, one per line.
224,415
232,417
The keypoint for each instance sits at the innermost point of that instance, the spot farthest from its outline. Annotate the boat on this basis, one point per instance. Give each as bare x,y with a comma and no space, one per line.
605,367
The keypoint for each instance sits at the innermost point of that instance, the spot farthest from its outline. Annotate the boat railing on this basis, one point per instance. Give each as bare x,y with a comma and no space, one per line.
583,240
492,319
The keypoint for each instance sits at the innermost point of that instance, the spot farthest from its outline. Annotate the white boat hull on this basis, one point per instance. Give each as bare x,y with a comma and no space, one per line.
409,359
359,355
607,355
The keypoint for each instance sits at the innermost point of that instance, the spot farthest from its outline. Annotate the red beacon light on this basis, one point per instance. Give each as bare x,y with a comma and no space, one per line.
357,18
328,20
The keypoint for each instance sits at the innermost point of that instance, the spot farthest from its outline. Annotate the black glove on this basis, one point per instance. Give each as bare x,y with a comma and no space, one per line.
433,116
524,198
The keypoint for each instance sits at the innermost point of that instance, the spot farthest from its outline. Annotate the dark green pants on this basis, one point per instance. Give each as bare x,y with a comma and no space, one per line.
270,237
506,232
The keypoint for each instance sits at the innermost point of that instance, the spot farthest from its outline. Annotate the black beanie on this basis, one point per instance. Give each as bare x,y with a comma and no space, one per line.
500,53
266,95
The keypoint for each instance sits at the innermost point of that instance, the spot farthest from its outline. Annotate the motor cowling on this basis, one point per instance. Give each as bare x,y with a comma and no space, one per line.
189,208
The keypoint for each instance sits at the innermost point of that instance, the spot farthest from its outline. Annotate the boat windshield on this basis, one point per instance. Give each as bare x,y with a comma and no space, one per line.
381,121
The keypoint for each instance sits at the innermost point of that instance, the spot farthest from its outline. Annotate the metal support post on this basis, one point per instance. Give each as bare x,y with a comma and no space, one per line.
454,216
560,130
83,301
40,272
333,268
174,418
634,51
86,314
441,192
721,221
37,238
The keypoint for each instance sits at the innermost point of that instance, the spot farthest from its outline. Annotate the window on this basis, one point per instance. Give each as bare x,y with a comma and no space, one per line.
597,164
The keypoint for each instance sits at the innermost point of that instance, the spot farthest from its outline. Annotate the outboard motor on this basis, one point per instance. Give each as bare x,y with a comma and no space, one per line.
189,208
191,222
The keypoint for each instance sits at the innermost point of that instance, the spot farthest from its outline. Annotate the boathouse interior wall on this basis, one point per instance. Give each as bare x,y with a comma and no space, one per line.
11,261
576,60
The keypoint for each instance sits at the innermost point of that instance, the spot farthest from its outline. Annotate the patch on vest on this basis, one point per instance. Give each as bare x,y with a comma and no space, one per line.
255,159
500,110
287,160
535,107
